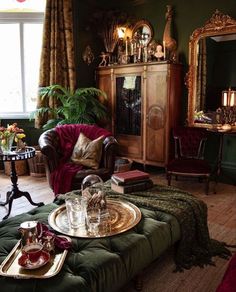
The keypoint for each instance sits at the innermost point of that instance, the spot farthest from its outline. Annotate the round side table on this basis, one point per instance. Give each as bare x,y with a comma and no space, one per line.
15,193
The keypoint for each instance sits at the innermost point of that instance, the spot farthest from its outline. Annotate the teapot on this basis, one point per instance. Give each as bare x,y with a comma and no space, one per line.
29,232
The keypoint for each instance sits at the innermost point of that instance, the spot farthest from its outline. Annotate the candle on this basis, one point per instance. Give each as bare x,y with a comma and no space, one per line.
131,49
232,99
139,53
145,55
224,101
126,47
164,49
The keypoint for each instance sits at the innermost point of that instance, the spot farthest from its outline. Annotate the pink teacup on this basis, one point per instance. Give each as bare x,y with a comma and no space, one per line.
33,251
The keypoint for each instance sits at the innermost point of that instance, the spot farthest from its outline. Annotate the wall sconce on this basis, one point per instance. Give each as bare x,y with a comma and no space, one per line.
228,97
88,55
121,32
122,52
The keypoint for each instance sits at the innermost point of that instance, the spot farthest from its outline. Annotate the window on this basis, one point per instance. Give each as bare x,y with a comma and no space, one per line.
21,41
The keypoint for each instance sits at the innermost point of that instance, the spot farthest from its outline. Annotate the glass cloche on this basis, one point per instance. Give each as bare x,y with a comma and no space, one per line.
92,188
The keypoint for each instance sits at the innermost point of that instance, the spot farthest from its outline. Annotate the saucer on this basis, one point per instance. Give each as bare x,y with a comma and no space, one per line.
24,262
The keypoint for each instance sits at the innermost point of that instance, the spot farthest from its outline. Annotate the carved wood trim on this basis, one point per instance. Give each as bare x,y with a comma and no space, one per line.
218,24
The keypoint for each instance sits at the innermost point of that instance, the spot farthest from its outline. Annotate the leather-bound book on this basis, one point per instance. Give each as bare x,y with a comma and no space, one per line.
130,176
136,186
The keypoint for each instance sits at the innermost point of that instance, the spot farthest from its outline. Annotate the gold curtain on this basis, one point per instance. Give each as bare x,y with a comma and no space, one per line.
57,65
201,76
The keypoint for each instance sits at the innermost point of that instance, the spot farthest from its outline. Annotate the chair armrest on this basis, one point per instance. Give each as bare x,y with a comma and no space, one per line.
50,148
110,150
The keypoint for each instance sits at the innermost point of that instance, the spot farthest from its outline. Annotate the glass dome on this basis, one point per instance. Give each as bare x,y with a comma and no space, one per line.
92,188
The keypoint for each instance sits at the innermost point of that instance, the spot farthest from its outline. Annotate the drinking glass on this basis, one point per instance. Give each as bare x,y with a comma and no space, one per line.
76,210
93,220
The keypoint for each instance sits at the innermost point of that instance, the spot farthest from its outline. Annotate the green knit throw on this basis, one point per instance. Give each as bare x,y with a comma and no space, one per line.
195,247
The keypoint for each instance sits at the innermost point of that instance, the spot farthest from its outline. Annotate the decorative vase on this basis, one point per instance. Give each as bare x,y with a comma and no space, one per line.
6,144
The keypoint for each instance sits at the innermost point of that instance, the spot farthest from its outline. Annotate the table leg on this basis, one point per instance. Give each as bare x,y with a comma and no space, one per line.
9,201
28,197
219,160
15,193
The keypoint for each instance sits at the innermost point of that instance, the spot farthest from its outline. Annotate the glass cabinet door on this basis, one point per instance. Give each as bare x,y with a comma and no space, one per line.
128,105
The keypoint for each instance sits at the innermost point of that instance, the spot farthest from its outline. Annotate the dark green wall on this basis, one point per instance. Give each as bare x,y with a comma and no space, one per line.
188,15
32,134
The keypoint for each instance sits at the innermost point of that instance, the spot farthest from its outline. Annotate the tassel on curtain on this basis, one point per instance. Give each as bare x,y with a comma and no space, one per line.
57,65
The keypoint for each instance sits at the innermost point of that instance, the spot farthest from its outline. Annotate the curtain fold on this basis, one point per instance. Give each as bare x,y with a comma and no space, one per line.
57,64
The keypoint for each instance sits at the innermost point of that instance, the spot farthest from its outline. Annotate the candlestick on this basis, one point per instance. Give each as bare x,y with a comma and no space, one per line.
229,97
164,49
145,55
139,53
131,49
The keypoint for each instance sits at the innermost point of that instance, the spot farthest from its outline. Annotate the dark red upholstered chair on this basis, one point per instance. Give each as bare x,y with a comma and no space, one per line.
189,155
228,282
57,145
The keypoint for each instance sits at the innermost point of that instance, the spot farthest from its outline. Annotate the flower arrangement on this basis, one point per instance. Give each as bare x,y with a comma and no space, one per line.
10,134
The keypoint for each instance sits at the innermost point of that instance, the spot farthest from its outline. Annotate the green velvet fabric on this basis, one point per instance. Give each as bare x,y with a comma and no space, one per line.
195,247
95,265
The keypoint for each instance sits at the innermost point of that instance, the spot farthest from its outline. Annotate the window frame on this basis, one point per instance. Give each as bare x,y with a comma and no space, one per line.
21,18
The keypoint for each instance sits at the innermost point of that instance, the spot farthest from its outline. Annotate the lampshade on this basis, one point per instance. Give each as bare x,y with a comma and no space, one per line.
229,97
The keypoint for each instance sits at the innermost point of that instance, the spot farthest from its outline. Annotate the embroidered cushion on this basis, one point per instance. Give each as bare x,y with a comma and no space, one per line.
88,152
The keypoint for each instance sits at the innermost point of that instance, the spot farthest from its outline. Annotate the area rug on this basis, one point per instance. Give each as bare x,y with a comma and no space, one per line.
195,248
228,283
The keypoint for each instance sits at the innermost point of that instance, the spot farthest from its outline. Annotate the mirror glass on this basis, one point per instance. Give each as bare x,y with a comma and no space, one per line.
212,63
128,105
142,32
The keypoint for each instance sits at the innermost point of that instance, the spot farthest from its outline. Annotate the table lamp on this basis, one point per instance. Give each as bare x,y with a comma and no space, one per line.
229,97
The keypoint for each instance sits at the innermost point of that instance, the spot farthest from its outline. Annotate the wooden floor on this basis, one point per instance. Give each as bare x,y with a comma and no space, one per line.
159,276
36,186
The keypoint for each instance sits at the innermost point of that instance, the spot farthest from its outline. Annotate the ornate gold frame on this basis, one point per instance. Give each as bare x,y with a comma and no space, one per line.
218,24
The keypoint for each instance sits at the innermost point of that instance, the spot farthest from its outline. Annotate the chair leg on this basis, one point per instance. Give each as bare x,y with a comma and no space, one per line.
215,185
168,177
207,185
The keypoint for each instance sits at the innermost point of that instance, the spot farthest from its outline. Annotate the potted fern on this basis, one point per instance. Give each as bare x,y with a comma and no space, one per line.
80,106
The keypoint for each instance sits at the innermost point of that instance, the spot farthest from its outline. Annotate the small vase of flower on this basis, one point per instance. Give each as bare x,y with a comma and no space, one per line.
8,135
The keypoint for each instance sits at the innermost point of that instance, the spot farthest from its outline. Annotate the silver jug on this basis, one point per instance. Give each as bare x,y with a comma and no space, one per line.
29,232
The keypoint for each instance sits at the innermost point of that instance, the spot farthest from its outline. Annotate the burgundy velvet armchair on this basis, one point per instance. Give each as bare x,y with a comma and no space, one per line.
57,145
189,155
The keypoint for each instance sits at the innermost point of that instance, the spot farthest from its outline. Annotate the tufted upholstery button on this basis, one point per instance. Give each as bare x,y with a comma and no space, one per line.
101,264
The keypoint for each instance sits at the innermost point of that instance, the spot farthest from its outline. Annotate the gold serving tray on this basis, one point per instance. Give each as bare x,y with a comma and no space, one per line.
11,268
121,216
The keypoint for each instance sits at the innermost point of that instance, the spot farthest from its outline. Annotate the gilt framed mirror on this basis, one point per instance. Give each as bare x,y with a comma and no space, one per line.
143,32
212,68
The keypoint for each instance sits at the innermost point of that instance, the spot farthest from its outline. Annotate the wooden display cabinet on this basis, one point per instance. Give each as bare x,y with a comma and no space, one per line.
144,101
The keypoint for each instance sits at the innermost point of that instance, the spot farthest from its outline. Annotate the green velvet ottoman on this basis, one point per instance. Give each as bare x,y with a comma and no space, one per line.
99,265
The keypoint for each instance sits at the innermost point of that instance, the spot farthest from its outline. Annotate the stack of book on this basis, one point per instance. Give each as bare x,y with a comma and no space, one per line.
130,181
